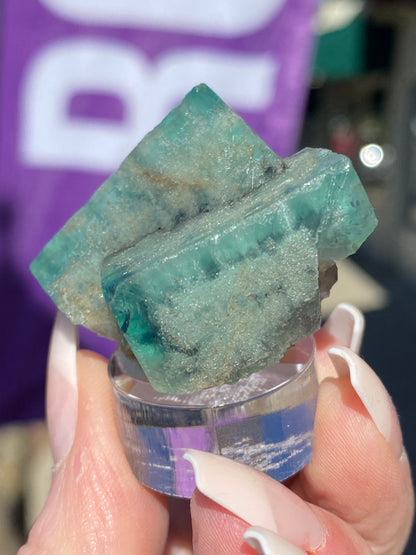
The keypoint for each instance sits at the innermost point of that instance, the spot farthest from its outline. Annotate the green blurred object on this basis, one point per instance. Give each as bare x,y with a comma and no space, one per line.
340,53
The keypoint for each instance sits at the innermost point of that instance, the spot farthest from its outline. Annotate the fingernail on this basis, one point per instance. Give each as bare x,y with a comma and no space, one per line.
346,323
62,394
404,459
256,498
372,393
267,543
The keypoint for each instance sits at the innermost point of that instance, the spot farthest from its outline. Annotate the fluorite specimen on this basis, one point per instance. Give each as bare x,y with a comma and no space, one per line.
201,156
203,250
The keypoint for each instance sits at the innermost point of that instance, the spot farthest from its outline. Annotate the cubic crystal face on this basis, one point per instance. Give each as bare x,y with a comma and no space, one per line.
203,250
227,292
221,308
200,156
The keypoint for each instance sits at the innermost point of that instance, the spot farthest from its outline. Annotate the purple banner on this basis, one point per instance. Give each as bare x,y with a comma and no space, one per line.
82,82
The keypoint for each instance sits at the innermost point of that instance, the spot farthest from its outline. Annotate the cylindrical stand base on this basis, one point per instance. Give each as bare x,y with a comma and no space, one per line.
265,421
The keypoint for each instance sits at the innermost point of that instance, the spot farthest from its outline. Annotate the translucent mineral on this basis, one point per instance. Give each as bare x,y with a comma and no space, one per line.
199,157
205,250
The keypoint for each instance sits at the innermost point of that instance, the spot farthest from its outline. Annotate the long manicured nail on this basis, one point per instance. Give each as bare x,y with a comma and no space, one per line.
268,543
256,499
372,393
346,323
62,394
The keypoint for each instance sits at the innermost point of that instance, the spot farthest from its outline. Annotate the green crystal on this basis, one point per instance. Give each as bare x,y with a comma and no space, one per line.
203,250
226,293
200,156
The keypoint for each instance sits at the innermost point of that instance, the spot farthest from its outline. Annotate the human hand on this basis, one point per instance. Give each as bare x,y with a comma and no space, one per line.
355,497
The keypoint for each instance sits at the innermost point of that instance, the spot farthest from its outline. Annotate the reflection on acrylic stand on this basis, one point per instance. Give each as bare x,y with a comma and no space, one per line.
265,421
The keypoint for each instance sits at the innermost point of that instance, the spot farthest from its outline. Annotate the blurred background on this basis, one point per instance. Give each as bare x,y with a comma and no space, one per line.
82,82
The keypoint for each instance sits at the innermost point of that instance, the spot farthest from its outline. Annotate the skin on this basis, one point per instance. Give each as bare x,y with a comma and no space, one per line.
361,493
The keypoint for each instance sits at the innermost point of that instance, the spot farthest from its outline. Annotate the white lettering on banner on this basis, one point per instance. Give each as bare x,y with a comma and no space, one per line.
51,138
217,18
246,81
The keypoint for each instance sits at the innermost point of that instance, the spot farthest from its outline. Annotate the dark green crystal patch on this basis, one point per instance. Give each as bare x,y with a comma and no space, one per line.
203,250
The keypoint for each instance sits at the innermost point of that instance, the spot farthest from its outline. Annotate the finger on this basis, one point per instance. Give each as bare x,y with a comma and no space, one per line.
345,326
231,497
358,470
95,504
180,527
373,493
267,543
327,476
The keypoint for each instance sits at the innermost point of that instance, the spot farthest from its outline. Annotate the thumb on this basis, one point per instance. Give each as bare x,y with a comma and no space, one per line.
95,504
232,498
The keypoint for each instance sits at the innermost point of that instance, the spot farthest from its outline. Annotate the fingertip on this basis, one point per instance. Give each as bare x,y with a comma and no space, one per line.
355,473
93,385
95,503
346,324
62,387
371,393
91,361
266,542
256,499
215,529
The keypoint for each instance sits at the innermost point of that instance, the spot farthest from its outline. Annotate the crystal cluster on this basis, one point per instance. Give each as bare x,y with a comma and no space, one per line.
203,250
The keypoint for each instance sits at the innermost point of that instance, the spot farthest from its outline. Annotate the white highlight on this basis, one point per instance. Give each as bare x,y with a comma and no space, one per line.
270,456
371,155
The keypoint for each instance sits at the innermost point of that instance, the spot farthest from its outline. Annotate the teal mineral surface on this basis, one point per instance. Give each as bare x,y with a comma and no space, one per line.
202,155
203,251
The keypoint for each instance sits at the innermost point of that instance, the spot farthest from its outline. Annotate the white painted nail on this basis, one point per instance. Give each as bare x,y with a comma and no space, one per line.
62,393
256,498
346,323
268,543
372,393
179,550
